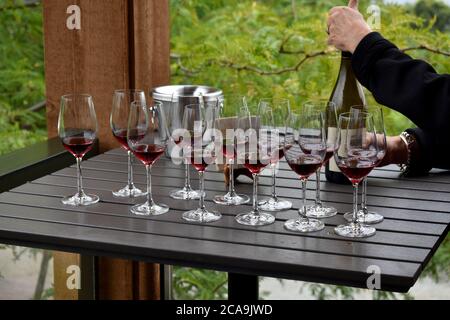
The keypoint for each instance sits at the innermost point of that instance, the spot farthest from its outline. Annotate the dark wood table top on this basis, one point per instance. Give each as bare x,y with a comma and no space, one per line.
417,219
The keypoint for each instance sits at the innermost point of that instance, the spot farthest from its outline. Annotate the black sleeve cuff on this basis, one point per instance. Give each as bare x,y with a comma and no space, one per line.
367,53
421,163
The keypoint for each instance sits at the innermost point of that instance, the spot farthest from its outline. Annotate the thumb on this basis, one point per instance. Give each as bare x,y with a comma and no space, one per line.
353,4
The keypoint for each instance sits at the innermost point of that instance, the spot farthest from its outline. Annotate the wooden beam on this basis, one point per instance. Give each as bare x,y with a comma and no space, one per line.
121,44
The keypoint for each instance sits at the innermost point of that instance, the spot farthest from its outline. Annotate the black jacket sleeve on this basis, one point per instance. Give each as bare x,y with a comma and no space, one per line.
411,87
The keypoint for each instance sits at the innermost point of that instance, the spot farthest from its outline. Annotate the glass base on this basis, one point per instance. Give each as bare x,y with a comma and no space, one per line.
84,200
320,211
274,205
185,194
354,230
304,225
232,199
255,219
130,191
146,210
368,218
201,216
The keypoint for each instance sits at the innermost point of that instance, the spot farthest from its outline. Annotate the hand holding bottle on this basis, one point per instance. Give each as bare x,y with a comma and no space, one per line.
346,27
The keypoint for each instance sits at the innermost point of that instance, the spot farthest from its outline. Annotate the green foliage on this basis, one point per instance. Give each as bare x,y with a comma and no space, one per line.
190,284
21,75
434,10
329,292
438,267
257,47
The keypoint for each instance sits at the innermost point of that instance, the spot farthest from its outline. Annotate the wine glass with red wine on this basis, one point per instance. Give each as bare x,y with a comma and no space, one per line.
77,128
364,215
356,156
227,123
255,152
306,141
120,112
200,146
279,109
147,139
320,210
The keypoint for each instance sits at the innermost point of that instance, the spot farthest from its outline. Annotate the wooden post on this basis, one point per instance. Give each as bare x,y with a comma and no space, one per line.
120,44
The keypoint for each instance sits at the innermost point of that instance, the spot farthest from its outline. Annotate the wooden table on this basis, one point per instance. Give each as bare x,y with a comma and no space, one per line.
417,218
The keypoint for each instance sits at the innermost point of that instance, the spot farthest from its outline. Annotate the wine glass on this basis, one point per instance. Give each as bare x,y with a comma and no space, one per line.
227,123
364,215
279,110
120,113
178,105
305,152
147,139
77,128
319,209
356,155
254,151
200,147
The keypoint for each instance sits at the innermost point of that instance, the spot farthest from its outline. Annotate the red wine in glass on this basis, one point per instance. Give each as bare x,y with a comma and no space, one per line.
305,164
328,155
255,163
80,144
356,170
148,153
122,136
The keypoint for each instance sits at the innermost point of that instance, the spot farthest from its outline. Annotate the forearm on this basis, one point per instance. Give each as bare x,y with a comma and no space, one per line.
409,86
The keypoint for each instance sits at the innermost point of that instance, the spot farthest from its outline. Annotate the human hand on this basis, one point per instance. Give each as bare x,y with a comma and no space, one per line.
396,152
346,27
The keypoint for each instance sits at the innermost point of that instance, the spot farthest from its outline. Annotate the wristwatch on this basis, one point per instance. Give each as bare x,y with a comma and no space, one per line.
411,145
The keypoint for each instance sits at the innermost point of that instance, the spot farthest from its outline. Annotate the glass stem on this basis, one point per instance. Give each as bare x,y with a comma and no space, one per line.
79,179
355,204
231,186
302,211
187,179
318,201
202,191
148,169
364,197
130,171
274,182
255,194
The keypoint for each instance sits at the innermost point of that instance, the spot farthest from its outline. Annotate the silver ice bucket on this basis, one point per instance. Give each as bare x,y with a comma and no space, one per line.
174,98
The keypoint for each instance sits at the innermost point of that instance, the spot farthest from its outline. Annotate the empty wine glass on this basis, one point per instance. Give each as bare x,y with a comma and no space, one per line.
177,108
120,113
364,215
279,110
356,155
77,128
200,147
319,209
305,152
147,138
227,123
254,151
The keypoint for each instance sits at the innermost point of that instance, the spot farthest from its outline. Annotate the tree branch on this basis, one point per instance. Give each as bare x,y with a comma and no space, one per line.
269,72
262,72
424,47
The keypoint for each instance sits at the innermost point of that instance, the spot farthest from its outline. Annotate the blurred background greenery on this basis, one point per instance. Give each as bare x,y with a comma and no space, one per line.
259,48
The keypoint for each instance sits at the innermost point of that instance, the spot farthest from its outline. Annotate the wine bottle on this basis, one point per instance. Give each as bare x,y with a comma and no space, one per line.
347,92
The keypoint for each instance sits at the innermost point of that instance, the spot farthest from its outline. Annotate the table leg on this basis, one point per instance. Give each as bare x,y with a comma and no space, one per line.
166,282
242,287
